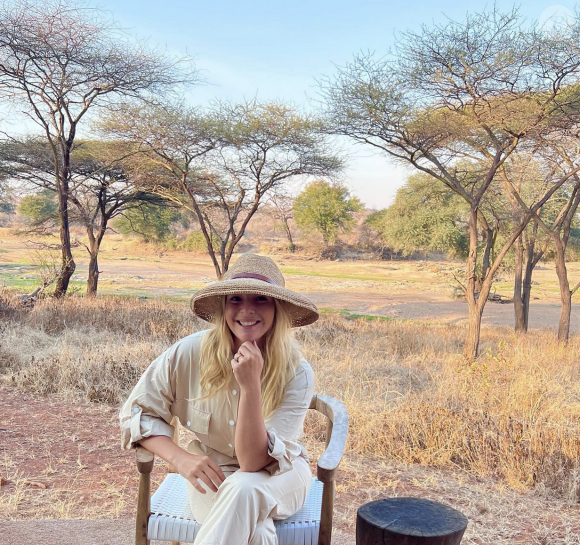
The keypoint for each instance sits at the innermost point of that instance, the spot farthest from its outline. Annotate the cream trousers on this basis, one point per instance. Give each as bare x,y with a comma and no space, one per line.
243,510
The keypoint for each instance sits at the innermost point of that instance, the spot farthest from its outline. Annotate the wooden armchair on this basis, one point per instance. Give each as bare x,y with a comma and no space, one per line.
173,517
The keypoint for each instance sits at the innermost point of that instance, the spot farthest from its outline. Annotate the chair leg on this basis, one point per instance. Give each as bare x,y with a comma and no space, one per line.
143,509
325,534
144,466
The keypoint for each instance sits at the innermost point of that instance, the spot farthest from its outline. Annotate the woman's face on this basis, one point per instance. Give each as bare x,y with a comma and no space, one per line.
249,316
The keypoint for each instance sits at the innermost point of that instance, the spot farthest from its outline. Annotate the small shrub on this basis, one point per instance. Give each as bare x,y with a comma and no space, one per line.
195,242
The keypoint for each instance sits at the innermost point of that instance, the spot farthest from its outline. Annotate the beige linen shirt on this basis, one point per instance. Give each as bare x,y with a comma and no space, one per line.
170,387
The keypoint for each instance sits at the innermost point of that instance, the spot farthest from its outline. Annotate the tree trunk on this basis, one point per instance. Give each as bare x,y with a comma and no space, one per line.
68,264
93,280
532,260
527,292
225,256
473,332
565,293
520,321
95,246
291,245
487,250
471,346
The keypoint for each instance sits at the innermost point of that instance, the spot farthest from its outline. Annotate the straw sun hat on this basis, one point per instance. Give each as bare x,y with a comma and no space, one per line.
253,273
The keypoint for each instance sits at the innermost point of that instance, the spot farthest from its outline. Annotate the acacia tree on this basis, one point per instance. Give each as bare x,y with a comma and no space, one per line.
282,204
530,178
531,171
58,60
100,187
554,221
223,163
326,208
462,91
427,216
174,139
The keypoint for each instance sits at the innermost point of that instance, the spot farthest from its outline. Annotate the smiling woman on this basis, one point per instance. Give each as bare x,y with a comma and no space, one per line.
249,317
243,388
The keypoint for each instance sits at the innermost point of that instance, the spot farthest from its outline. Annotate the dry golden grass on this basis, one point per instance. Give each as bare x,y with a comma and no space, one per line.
512,415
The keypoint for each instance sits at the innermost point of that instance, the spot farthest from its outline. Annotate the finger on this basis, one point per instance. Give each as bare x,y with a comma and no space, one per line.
251,345
217,469
195,483
207,481
214,477
248,349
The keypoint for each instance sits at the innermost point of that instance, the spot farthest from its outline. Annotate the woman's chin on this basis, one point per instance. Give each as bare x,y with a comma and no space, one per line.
248,335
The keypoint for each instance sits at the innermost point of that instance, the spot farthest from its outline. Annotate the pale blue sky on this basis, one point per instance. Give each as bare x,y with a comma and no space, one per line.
275,50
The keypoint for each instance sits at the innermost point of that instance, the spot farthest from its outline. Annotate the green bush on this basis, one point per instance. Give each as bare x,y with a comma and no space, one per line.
194,242
150,221
39,209
327,209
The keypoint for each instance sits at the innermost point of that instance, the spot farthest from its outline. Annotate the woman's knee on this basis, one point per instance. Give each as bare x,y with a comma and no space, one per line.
244,484
241,480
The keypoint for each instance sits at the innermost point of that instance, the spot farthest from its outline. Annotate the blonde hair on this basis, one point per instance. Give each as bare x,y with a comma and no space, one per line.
281,357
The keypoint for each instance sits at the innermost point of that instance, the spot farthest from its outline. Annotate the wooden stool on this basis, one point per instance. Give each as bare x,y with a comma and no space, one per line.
408,521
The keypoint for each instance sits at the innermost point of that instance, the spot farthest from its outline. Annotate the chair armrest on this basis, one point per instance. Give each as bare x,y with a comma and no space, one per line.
335,411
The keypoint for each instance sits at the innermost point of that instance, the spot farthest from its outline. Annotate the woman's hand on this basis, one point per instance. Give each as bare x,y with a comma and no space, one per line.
197,468
247,365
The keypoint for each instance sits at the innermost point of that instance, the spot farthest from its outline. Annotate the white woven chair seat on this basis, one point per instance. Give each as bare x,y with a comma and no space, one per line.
172,520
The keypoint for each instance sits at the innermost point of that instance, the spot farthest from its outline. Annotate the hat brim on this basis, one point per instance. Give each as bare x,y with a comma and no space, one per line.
204,302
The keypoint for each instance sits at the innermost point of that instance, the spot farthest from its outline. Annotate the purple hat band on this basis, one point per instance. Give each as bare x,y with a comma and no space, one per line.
252,275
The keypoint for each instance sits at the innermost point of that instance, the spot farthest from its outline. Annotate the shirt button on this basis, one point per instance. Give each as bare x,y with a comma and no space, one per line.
188,423
234,392
230,445
232,422
135,410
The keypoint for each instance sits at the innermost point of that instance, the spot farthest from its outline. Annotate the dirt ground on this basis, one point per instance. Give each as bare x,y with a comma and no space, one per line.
62,461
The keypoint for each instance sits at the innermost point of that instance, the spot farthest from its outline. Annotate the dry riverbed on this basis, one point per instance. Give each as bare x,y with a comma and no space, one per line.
408,290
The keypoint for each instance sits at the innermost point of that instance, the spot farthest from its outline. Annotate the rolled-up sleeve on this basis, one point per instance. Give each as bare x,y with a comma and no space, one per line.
147,411
285,425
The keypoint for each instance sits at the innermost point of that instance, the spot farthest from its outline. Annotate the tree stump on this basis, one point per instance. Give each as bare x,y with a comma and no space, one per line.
409,521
